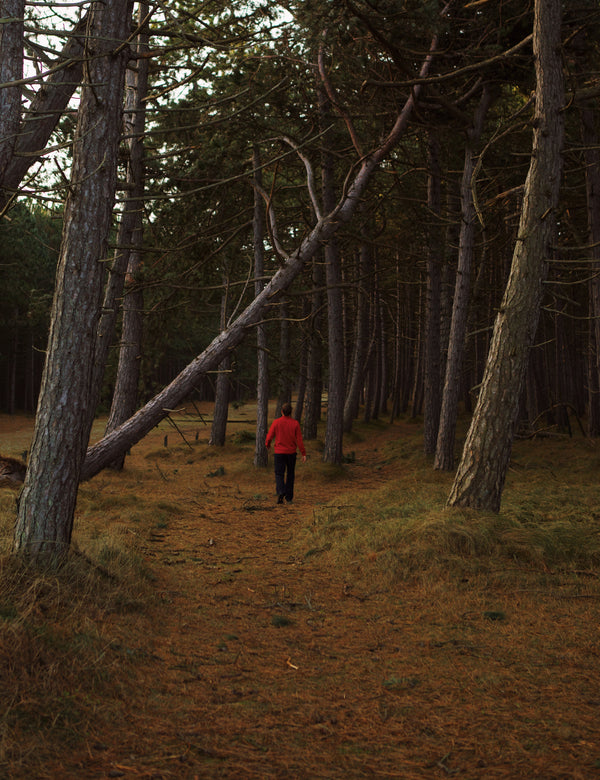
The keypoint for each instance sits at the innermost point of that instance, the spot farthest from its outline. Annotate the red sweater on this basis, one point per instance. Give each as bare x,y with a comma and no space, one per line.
287,434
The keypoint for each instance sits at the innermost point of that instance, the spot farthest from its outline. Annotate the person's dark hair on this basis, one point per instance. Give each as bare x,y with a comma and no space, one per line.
286,409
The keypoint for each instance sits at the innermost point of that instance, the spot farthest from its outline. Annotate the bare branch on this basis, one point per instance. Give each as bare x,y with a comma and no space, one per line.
310,176
272,224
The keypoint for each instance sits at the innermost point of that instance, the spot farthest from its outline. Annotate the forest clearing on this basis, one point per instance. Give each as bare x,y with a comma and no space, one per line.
198,630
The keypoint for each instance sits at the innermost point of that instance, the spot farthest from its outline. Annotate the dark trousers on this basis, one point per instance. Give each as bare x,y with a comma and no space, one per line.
285,467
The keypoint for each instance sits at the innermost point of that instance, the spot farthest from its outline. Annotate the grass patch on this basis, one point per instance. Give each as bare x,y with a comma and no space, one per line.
60,681
404,530
61,677
243,437
281,621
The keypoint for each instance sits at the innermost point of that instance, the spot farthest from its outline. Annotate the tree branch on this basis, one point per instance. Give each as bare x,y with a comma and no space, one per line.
310,176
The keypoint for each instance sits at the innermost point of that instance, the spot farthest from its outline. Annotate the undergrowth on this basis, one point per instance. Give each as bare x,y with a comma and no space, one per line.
62,679
403,529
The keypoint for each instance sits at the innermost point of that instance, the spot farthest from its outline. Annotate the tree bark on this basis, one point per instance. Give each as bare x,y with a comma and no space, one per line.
432,377
419,357
361,338
397,352
336,384
383,360
221,411
11,71
284,378
370,410
314,375
334,431
128,255
593,378
301,385
65,415
444,454
482,471
218,429
261,455
589,117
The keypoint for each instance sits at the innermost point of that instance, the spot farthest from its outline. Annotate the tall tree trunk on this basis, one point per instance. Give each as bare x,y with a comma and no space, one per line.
591,142
593,377
314,374
303,366
285,377
451,244
301,389
218,429
482,471
432,377
419,357
397,377
128,254
261,456
12,372
563,368
125,396
223,385
370,409
444,454
336,384
361,337
383,360
65,415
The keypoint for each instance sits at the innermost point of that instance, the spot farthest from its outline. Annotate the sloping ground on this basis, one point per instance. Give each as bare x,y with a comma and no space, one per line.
262,658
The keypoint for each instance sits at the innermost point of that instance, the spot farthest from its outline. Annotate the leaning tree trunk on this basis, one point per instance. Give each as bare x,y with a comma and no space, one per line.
444,453
480,477
128,434
261,456
65,415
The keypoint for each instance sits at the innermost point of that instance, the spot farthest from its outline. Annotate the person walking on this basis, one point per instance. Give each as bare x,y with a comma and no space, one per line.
288,439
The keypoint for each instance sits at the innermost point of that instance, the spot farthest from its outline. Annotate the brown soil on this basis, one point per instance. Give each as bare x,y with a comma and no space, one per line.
264,659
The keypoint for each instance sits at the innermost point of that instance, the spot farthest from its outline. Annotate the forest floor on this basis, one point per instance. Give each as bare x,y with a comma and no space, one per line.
254,652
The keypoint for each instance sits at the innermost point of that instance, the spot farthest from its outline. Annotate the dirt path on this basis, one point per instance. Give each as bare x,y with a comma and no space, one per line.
263,660
263,664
